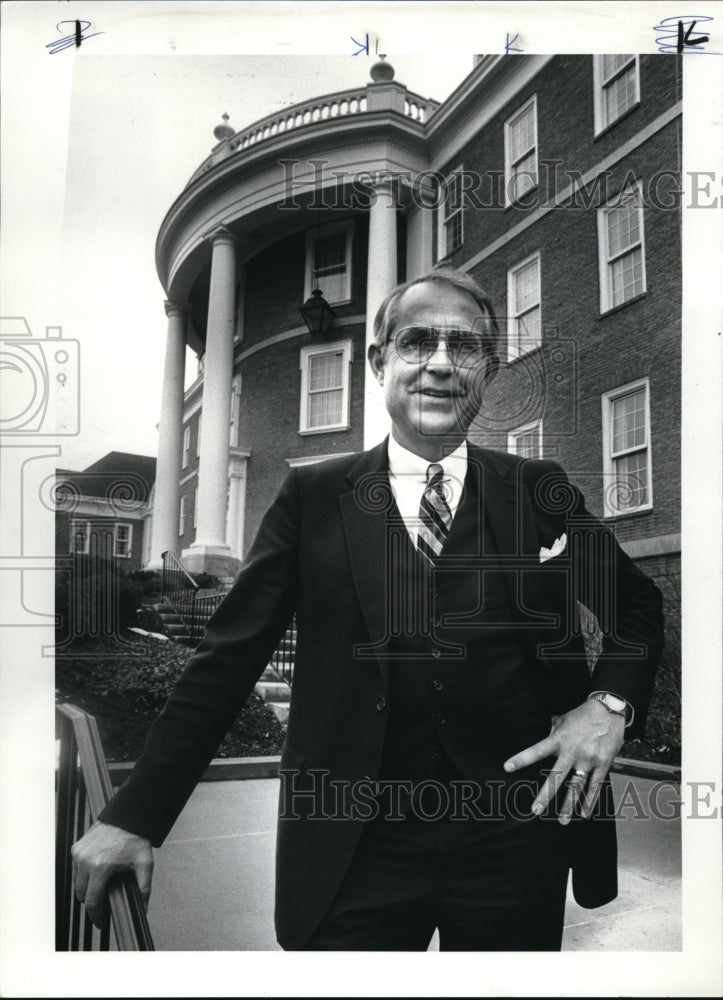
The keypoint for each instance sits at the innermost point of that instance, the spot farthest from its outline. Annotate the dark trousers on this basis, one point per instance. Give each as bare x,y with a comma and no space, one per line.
492,884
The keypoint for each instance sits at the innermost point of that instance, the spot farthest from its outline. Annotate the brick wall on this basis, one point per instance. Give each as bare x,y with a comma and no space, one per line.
639,339
271,387
270,406
275,280
565,133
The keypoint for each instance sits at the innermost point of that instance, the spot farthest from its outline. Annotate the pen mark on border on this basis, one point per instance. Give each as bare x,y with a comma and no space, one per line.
72,40
676,34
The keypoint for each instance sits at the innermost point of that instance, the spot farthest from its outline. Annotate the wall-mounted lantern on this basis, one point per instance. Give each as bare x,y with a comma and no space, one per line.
318,314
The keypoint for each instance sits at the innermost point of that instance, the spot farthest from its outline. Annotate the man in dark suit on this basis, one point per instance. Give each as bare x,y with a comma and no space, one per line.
447,750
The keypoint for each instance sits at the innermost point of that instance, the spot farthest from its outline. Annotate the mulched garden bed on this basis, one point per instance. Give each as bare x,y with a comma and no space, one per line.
125,683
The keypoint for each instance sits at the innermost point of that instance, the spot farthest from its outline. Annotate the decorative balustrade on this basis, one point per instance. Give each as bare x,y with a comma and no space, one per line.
83,789
343,104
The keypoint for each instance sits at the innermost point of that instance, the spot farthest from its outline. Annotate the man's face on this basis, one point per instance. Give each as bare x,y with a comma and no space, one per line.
432,401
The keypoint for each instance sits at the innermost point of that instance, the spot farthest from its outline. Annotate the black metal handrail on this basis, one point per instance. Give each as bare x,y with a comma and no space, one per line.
181,592
282,659
83,789
203,606
178,586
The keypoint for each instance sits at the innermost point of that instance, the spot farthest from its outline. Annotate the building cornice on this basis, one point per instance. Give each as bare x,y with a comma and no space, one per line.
126,510
492,84
193,210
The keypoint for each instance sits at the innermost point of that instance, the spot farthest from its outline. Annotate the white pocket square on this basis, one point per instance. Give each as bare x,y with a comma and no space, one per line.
557,548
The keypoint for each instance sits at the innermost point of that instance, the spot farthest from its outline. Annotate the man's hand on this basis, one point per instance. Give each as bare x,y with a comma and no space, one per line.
100,853
585,741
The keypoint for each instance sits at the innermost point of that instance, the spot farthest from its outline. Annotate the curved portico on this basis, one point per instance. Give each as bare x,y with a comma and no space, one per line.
350,156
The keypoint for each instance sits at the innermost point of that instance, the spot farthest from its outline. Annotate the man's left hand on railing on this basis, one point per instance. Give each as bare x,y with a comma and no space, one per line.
98,855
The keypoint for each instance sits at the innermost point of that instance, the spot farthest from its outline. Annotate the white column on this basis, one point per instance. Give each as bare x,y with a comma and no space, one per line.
237,503
213,461
170,438
381,278
419,242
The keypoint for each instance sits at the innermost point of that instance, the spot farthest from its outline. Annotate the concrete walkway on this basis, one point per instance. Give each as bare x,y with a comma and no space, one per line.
214,880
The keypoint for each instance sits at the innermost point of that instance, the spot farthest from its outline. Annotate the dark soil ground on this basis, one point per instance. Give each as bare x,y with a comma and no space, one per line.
125,683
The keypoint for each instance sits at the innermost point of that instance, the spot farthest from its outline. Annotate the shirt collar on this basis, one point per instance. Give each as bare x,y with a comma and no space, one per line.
403,462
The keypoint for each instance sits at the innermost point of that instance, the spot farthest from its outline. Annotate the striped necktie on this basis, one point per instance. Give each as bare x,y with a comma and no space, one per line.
435,517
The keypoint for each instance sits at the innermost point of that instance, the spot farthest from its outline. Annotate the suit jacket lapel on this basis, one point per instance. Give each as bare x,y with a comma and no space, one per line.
368,513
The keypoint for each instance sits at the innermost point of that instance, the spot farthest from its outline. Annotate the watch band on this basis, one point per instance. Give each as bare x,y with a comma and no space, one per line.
611,702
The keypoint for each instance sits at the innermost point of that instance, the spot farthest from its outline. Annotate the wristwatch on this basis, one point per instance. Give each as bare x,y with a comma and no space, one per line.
614,705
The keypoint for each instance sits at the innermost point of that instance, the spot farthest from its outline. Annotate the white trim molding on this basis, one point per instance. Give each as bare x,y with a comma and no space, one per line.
516,433
525,157
610,78
343,347
449,214
296,463
621,248
524,321
627,490
343,280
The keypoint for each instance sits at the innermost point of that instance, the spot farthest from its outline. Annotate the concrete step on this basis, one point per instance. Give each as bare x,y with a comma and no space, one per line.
275,691
280,710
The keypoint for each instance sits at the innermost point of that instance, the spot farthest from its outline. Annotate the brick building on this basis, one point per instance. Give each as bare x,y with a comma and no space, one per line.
106,509
553,180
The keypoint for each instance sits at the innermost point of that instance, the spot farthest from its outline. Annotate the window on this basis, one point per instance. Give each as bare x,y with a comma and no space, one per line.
621,248
616,80
122,537
626,449
521,152
325,374
79,537
233,436
195,506
198,435
526,441
186,445
524,323
450,219
182,516
328,262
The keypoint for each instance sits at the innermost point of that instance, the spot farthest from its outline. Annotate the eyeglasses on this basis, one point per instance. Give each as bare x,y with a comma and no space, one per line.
417,344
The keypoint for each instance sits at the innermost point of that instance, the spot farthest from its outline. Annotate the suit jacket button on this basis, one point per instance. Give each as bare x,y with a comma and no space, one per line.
437,685
441,719
436,654
381,704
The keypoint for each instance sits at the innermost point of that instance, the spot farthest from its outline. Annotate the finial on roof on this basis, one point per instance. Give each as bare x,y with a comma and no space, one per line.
382,72
223,131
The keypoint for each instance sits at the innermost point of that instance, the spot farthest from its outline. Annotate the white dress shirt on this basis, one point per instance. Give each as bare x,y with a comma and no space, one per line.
408,480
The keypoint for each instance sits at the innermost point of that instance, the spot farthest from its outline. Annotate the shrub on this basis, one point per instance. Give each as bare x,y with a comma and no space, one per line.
94,597
206,581
149,582
126,692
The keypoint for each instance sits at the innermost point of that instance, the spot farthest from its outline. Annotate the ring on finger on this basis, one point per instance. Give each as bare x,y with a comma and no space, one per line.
583,775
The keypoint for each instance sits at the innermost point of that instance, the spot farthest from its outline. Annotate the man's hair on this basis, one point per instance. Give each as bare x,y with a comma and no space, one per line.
388,311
